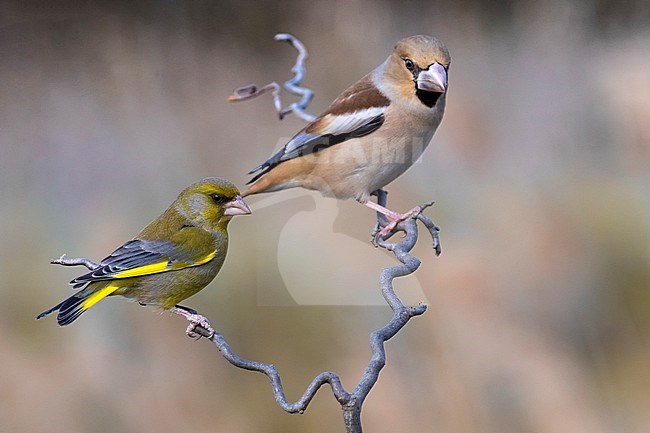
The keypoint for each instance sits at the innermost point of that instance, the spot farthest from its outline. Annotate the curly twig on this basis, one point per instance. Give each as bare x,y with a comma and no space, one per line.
293,85
351,402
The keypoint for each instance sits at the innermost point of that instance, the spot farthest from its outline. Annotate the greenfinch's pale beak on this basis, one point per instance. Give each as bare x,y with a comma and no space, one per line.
236,206
433,79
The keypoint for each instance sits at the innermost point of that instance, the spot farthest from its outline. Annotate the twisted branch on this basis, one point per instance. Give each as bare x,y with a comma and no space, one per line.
293,85
351,402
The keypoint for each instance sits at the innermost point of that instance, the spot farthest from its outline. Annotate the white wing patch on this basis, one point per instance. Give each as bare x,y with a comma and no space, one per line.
344,123
338,124
298,141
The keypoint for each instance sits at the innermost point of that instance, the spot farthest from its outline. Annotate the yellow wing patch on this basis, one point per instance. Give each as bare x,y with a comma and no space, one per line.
156,268
97,296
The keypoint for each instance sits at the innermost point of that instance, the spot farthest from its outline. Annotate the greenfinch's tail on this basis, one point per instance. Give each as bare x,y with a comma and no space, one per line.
76,304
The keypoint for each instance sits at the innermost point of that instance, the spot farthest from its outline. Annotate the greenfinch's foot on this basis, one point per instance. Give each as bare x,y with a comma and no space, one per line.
195,320
203,323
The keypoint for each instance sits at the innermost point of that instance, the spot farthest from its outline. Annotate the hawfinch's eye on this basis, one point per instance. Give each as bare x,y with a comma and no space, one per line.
409,64
219,199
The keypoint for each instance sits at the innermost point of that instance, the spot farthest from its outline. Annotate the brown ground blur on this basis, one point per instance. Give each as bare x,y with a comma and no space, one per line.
539,313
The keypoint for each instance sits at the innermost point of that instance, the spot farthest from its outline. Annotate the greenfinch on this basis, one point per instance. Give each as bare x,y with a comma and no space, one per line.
171,259
371,134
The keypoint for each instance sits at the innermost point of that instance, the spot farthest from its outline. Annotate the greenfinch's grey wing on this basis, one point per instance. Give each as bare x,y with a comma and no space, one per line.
190,246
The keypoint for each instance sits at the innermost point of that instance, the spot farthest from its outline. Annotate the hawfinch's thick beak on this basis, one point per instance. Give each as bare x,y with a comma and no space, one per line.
433,79
237,206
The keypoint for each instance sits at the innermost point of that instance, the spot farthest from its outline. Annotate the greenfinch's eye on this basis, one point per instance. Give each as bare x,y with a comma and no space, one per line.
409,64
219,199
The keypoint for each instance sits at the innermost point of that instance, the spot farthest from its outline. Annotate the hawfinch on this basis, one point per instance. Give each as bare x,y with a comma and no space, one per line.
371,134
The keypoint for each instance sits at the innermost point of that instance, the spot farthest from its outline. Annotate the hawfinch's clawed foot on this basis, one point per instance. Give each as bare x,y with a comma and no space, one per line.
396,218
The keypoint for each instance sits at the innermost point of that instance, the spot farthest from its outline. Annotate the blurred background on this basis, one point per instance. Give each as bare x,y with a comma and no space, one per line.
539,315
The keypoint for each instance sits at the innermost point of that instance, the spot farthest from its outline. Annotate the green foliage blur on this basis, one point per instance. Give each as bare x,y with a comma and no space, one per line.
539,315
